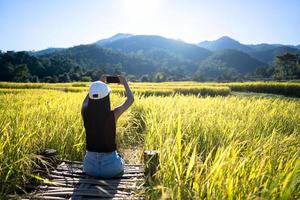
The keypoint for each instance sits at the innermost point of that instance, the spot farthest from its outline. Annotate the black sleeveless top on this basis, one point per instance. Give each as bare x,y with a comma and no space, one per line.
100,126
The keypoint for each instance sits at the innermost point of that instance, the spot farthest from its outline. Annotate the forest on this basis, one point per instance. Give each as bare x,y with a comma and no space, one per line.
152,59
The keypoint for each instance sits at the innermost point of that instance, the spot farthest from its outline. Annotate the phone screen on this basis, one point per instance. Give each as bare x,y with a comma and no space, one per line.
112,79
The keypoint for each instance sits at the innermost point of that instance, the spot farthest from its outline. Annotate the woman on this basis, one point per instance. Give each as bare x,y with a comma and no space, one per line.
101,158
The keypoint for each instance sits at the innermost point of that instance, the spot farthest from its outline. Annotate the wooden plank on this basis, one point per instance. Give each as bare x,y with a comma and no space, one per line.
90,190
82,193
69,181
47,197
56,173
80,163
77,166
106,181
83,173
116,187
81,186
71,161
134,178
79,171
93,181
73,182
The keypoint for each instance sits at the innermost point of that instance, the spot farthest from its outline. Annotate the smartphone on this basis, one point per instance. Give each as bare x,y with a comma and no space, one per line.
112,79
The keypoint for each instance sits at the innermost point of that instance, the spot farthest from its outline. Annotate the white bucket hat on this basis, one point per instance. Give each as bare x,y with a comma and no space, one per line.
98,90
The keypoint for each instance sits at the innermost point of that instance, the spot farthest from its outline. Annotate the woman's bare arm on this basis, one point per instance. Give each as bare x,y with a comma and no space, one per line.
118,111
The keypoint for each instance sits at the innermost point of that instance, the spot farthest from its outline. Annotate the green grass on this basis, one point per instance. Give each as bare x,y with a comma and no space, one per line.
283,88
213,147
170,88
245,147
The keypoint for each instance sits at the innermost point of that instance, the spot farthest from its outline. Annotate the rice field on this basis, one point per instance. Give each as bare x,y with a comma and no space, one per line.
213,145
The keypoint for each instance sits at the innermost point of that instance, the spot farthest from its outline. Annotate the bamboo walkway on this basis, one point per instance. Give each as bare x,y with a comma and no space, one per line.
68,181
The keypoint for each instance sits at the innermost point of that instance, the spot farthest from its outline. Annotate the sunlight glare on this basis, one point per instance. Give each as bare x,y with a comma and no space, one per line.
142,9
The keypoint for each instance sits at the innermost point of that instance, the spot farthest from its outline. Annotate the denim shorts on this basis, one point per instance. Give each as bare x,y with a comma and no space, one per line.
104,165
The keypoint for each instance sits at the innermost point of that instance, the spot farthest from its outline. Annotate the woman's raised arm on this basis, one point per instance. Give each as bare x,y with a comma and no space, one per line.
118,111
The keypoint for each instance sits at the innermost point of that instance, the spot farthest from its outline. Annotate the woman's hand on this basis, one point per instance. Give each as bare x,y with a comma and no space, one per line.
122,79
103,78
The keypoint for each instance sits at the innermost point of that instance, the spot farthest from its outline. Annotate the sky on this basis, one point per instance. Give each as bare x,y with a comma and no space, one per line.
39,24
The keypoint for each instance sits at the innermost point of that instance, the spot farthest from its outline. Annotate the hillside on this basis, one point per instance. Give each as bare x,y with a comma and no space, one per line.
45,51
263,46
237,60
224,42
263,52
116,37
150,44
168,54
153,57
269,55
93,56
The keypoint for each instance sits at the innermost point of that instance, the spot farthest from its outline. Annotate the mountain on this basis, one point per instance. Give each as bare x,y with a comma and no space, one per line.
224,42
168,52
263,46
264,52
95,57
145,54
46,51
149,43
116,37
136,55
269,55
233,59
151,56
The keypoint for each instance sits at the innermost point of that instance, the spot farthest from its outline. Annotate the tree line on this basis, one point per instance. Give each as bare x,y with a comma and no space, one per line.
284,67
24,67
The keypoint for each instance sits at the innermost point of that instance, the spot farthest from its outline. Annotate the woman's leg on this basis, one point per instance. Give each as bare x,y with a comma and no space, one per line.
91,164
112,165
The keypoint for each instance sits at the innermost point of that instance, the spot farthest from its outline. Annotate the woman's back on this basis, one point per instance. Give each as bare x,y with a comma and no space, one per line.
100,128
102,159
